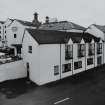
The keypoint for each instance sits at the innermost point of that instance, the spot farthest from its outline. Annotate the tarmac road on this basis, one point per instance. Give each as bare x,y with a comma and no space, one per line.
86,88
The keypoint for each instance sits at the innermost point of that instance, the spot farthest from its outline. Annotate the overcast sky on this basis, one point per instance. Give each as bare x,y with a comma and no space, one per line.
83,12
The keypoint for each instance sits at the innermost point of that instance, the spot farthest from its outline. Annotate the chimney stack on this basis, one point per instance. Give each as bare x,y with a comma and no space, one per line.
47,20
35,16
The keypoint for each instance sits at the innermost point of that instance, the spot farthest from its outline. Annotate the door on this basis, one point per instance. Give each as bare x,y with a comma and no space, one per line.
28,68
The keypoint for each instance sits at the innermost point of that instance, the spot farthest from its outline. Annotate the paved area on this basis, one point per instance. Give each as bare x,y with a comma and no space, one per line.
86,88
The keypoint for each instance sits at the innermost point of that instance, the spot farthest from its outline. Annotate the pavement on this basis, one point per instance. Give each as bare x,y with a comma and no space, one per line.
87,88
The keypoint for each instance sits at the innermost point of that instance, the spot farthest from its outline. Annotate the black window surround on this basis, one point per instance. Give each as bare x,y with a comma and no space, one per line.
30,49
15,35
99,48
68,52
77,65
89,61
81,50
66,68
56,70
91,49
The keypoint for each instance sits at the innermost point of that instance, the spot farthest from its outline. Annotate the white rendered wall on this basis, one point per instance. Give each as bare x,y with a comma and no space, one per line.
31,58
49,57
19,33
13,70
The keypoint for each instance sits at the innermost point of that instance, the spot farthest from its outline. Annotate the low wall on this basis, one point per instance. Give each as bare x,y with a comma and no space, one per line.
13,70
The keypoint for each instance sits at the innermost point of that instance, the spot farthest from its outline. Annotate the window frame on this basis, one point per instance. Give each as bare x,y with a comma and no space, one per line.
81,51
89,62
56,70
99,48
78,65
30,49
91,49
15,35
68,69
68,51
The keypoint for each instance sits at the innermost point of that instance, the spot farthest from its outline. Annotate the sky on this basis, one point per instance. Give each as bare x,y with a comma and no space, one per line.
82,12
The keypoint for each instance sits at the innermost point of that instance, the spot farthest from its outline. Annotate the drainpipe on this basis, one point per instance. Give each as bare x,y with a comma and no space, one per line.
60,63
85,57
72,59
94,54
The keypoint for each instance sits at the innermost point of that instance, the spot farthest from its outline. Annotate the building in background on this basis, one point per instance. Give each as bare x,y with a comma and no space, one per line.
62,26
1,32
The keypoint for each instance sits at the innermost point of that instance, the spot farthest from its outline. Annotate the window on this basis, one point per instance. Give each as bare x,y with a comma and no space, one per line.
66,67
77,65
99,60
15,36
0,38
89,61
68,52
5,26
30,49
0,27
81,50
0,32
91,49
5,31
56,70
5,37
99,48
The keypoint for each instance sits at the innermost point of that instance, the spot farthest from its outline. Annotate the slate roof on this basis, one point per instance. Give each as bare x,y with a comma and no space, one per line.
58,37
62,25
2,22
26,23
102,28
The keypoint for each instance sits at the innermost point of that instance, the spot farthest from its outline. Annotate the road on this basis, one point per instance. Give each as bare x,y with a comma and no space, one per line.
86,88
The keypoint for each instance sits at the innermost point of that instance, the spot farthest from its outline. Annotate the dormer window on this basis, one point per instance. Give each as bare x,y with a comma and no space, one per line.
81,50
99,48
68,52
91,49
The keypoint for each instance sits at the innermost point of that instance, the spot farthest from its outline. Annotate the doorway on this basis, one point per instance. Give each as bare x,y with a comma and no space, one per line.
28,68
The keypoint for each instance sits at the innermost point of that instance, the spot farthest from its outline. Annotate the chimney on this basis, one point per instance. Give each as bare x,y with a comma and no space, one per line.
47,20
35,16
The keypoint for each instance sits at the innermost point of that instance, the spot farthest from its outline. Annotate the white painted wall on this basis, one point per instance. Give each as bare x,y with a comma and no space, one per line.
13,70
49,57
32,58
19,33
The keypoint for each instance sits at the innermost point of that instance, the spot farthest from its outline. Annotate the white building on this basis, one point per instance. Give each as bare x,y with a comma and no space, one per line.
1,32
52,55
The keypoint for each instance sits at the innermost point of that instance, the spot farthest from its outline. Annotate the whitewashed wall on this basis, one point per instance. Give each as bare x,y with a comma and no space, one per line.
49,57
19,33
13,70
31,58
